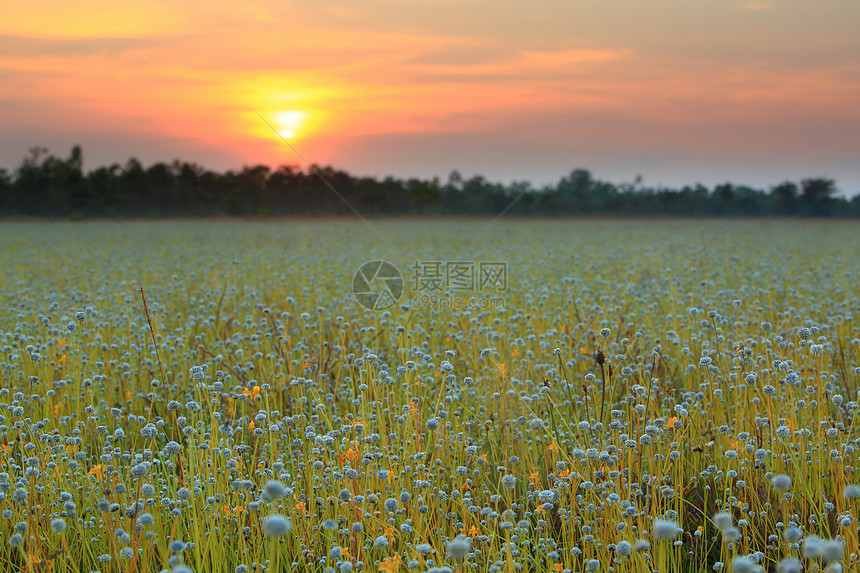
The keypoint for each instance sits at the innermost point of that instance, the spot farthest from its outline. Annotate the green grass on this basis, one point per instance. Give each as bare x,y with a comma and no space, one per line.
636,371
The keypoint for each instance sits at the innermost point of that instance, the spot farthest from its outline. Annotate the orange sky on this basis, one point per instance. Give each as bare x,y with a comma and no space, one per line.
678,91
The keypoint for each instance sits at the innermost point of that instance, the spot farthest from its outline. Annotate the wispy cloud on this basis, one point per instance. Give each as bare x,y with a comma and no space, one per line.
757,6
27,47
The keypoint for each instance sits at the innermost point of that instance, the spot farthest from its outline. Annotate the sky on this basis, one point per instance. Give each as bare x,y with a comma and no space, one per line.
674,91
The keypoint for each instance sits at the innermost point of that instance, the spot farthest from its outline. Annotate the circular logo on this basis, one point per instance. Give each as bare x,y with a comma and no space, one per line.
377,285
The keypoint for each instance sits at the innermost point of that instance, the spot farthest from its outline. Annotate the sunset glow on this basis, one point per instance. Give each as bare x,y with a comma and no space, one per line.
289,123
676,91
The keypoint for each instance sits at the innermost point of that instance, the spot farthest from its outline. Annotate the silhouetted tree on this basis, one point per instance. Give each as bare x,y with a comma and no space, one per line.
105,190
161,194
135,187
423,196
816,195
43,184
784,197
574,192
5,191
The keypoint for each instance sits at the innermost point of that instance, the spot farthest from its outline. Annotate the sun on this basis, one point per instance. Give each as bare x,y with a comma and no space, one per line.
289,123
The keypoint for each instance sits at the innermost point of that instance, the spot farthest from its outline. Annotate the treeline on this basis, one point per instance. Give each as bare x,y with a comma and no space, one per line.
45,185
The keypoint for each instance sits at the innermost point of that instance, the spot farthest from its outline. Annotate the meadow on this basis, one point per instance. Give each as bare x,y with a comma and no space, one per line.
648,396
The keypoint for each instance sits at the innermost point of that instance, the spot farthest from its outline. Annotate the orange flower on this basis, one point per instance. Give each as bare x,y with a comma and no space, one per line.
97,471
670,423
552,447
389,533
237,510
300,506
251,393
390,564
349,455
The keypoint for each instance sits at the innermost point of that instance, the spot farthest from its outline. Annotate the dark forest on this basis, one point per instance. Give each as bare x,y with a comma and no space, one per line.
44,185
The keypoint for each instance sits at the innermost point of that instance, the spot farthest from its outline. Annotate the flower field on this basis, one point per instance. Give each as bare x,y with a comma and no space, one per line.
628,396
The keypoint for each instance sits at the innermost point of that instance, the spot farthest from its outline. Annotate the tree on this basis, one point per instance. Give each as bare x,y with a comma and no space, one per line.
104,187
423,196
45,185
32,181
818,189
161,189
817,195
574,192
70,184
281,182
784,198
135,186
188,187
5,191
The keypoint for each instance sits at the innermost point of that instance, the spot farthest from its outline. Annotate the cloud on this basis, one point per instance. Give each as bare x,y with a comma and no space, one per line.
757,6
465,55
488,65
22,46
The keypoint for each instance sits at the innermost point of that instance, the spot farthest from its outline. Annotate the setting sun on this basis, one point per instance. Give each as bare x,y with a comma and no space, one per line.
289,123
